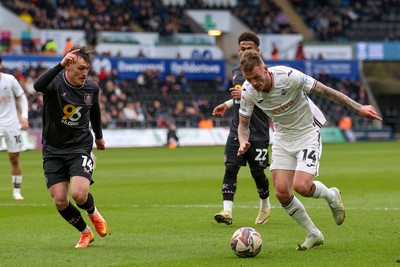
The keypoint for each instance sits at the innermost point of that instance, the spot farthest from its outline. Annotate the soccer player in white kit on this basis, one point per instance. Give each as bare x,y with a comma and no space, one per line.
281,92
11,123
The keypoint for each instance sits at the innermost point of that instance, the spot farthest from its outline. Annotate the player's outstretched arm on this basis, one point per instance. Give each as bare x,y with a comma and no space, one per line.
366,111
220,110
244,134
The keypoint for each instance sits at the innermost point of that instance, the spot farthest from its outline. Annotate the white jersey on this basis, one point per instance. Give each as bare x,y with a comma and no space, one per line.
10,89
287,104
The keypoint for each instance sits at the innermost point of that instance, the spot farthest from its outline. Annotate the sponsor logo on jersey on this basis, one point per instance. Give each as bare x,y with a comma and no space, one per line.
260,100
69,123
290,72
281,108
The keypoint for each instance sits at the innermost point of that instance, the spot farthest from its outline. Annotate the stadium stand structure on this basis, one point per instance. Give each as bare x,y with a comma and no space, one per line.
158,101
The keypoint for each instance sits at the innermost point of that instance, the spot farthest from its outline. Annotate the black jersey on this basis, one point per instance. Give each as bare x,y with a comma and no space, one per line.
67,113
259,122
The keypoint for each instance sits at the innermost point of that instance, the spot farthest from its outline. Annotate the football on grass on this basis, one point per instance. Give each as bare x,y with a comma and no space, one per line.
246,242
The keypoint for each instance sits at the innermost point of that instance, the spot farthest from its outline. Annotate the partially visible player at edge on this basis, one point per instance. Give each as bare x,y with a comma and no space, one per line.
12,121
70,105
256,156
281,92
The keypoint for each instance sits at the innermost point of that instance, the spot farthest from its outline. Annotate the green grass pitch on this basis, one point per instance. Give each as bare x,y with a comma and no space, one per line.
159,204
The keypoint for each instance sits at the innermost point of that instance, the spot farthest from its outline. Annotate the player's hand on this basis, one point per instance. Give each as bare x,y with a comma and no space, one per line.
100,144
69,58
369,112
243,148
220,110
235,92
24,123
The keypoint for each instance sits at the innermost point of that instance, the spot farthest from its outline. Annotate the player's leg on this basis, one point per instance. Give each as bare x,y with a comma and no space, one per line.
308,160
81,169
283,166
57,181
232,166
295,209
59,193
257,157
16,175
15,145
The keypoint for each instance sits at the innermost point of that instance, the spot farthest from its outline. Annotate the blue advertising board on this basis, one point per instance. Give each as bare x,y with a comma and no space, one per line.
342,69
377,51
131,68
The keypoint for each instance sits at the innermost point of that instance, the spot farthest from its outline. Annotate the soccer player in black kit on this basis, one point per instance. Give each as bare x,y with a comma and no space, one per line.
70,105
256,156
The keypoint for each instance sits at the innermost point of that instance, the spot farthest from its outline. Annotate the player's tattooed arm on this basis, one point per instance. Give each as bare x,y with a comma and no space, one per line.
335,96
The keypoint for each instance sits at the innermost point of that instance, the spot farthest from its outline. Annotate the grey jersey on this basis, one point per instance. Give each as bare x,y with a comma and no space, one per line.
287,104
259,123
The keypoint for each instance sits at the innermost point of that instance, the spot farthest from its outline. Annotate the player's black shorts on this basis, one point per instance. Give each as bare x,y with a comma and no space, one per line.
61,168
256,156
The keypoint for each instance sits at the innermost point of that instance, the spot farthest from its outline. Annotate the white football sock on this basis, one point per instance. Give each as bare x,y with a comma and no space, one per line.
264,203
228,205
17,191
321,191
298,213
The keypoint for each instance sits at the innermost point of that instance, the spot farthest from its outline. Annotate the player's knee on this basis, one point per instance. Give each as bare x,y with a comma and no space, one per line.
258,174
80,196
61,203
231,170
282,194
14,159
302,187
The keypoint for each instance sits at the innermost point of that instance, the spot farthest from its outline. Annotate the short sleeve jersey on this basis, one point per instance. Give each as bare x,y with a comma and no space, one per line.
66,116
10,90
259,123
287,104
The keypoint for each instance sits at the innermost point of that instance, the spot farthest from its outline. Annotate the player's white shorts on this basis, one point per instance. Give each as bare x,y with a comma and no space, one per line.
302,154
13,140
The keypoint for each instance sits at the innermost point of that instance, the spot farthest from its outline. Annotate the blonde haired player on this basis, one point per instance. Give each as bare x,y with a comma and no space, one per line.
281,92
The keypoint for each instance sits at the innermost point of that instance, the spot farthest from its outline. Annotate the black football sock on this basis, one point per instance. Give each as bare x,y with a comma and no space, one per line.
72,215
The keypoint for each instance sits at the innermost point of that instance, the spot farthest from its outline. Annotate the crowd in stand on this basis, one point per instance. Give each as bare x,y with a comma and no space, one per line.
343,20
151,16
328,20
148,101
154,101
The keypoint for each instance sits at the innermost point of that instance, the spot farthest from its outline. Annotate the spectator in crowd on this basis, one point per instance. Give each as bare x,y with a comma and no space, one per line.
275,52
300,52
346,125
141,54
50,47
68,45
172,137
206,123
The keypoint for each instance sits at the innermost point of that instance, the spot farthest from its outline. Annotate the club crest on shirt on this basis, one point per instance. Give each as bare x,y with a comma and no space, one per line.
283,93
88,98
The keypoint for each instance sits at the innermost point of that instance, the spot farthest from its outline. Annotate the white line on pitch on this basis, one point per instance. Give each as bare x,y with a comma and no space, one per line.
204,206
